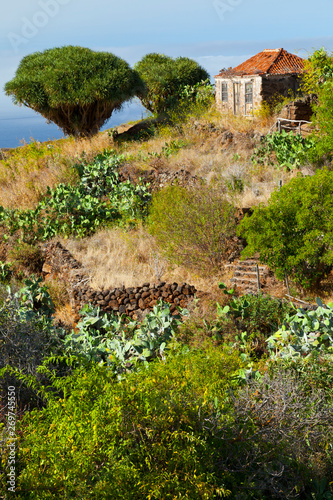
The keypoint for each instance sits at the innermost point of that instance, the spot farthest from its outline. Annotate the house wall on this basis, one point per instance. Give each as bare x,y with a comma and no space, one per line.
234,83
279,84
264,89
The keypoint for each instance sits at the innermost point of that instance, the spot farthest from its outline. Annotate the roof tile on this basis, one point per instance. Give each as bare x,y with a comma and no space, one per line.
269,61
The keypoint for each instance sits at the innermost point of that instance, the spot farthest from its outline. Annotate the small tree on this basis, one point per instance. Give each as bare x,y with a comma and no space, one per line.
318,81
294,232
74,87
165,79
192,225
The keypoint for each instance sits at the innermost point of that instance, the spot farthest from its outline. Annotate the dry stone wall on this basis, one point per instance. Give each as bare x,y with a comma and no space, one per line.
132,301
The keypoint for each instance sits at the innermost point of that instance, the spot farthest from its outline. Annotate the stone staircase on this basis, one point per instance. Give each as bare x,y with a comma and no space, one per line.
244,275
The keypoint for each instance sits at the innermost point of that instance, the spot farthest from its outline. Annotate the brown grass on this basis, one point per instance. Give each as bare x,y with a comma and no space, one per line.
114,257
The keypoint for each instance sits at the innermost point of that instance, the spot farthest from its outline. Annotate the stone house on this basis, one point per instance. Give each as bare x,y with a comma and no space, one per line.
242,89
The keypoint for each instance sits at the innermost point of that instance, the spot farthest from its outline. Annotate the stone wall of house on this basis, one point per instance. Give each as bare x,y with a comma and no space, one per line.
264,89
273,85
133,301
241,81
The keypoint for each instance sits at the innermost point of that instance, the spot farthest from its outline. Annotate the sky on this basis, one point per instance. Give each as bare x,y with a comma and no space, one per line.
216,33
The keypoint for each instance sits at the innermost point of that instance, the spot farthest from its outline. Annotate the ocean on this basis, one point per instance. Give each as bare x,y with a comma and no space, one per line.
19,128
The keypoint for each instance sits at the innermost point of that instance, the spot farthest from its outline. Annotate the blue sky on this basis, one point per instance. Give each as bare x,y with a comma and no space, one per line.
216,33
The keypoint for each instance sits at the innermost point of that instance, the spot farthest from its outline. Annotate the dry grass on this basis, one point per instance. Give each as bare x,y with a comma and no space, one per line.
27,171
114,257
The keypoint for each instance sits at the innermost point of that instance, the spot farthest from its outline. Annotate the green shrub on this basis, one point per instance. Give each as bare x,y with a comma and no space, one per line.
27,337
249,320
27,257
177,429
192,226
165,79
148,436
121,344
318,81
291,151
293,233
99,199
305,333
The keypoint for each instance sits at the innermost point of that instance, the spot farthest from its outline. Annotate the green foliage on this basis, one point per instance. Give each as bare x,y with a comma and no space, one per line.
248,320
147,436
119,343
36,296
324,120
291,151
75,87
27,257
6,271
192,225
305,333
180,428
294,232
200,93
318,70
98,199
318,80
169,149
166,80
27,336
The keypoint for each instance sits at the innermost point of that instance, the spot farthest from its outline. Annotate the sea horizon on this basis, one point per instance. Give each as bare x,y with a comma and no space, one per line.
16,130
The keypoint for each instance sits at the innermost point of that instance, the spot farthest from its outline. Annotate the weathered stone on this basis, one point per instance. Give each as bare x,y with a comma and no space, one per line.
141,304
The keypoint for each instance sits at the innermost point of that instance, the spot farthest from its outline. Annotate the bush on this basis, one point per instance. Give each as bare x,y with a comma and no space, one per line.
250,320
305,333
291,151
147,436
123,345
293,233
27,337
192,225
284,435
27,257
167,79
180,428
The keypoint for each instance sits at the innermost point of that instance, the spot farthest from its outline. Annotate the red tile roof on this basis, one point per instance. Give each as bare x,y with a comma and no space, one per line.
269,61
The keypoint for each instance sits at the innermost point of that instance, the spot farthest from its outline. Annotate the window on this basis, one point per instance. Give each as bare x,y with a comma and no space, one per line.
248,93
224,92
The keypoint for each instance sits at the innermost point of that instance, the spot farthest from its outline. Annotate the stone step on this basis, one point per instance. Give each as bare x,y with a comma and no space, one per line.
240,272
244,265
243,280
